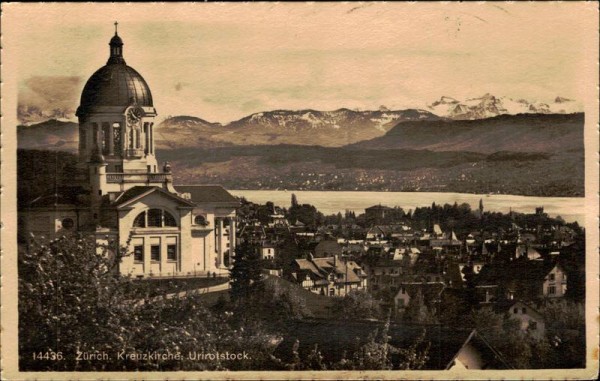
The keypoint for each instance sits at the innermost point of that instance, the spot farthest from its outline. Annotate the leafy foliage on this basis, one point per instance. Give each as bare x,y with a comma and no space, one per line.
418,312
69,300
72,300
356,305
246,274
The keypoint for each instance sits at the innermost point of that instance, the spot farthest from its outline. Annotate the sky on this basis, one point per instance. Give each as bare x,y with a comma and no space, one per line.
222,62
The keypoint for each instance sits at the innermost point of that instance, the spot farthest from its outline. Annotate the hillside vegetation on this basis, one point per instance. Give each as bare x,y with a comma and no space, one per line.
522,133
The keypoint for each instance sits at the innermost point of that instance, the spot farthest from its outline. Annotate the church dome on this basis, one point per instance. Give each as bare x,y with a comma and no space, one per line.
114,84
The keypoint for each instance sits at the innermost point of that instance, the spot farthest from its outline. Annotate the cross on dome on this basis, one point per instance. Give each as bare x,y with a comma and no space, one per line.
116,47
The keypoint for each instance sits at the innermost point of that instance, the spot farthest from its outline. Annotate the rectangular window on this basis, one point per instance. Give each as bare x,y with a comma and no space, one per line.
524,310
117,137
551,290
82,138
172,252
552,277
138,253
155,253
105,138
95,133
533,325
515,310
151,138
147,138
119,168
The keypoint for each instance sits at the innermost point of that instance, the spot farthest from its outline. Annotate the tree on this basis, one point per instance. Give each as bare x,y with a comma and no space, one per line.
294,201
246,277
516,347
417,311
70,300
356,305
305,213
287,252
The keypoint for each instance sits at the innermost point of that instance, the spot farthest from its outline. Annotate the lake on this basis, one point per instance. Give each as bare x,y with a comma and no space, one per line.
570,208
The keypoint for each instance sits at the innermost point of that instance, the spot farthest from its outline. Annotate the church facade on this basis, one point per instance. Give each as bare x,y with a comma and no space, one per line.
121,195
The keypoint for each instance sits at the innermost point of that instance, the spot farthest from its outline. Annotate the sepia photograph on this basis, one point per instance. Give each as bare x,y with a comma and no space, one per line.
300,190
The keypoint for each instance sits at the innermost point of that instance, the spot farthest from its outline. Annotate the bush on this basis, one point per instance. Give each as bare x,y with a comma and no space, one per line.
356,305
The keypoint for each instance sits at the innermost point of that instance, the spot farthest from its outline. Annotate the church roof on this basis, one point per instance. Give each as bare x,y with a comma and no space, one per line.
138,192
62,196
115,84
378,207
208,194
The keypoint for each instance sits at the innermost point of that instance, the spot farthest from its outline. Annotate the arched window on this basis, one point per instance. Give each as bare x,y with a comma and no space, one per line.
155,218
140,221
169,219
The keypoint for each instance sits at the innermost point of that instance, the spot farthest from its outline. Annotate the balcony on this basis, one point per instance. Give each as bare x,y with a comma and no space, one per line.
145,178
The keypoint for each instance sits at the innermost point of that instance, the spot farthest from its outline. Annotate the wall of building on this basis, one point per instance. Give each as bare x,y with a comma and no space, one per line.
53,222
558,284
469,357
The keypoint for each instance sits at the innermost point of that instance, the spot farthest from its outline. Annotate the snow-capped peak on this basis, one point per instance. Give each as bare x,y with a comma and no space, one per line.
489,105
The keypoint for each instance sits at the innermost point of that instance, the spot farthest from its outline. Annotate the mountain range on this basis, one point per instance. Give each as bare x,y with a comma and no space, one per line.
489,105
305,127
476,146
529,154
336,128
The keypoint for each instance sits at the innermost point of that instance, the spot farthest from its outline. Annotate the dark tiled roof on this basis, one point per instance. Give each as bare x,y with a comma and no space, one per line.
132,193
114,85
430,291
207,193
328,247
378,207
518,270
137,191
63,196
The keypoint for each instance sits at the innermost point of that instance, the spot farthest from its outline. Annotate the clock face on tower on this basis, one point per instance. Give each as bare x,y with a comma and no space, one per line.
134,115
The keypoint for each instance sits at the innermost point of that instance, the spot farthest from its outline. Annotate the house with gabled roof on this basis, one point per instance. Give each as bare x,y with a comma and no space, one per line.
449,348
522,279
531,322
430,291
327,248
329,276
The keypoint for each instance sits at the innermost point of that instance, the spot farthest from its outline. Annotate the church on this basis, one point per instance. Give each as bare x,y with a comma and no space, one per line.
120,193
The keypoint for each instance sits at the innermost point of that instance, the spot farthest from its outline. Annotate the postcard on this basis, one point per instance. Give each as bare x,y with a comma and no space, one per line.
300,190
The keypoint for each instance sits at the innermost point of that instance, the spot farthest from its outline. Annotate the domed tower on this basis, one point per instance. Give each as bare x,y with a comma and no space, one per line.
116,122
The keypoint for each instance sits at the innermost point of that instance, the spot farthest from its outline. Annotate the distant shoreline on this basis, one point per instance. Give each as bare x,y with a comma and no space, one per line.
571,209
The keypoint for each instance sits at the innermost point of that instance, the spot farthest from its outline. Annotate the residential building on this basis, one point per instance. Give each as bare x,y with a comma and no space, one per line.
329,276
530,320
